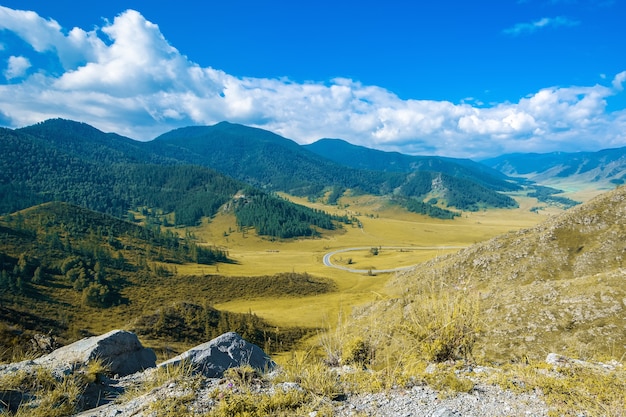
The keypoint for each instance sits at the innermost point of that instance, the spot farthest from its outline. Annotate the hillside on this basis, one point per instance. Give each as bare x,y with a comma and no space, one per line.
70,272
262,159
186,173
556,287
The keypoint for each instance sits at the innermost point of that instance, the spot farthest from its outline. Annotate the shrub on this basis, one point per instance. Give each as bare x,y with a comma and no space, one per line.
444,323
357,351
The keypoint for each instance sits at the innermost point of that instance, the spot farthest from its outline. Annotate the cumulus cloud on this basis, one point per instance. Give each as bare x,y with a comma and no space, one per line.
545,22
72,48
618,81
125,77
17,67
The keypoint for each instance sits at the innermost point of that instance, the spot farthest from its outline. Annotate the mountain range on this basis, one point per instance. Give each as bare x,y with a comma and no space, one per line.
605,168
179,173
188,173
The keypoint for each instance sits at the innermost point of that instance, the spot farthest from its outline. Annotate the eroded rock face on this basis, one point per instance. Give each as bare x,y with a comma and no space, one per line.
226,351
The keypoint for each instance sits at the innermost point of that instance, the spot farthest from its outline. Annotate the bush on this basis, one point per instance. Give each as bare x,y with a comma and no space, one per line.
444,322
357,351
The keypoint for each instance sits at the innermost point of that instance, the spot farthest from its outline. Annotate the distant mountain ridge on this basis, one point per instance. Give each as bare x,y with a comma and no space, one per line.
258,157
270,161
361,157
71,162
606,166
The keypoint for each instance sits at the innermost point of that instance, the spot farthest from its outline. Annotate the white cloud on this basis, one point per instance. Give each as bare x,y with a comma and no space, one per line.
75,48
544,22
618,81
126,78
17,67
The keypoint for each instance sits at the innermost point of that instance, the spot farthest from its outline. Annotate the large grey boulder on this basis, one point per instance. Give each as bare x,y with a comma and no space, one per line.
226,351
120,350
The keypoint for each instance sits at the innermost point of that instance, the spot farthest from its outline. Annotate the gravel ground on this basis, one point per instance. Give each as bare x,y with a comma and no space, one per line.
483,401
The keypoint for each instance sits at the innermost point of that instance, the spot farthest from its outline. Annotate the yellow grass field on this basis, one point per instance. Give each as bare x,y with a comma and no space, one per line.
382,226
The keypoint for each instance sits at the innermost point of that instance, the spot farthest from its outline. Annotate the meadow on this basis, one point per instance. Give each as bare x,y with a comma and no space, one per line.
381,226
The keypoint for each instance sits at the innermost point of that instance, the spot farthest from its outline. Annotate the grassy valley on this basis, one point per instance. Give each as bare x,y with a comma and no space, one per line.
280,295
144,268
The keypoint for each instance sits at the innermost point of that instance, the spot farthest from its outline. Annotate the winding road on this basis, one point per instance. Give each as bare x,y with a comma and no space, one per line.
327,261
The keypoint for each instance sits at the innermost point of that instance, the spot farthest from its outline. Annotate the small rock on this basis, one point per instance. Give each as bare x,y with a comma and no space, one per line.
444,412
555,359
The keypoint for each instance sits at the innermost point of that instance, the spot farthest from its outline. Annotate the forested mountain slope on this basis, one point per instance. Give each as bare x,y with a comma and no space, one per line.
60,160
264,159
183,172
86,173
270,161
361,157
68,271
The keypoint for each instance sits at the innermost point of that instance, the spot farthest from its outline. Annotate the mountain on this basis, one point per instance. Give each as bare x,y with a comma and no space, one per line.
556,287
107,177
263,159
270,161
61,160
606,168
80,140
360,157
186,172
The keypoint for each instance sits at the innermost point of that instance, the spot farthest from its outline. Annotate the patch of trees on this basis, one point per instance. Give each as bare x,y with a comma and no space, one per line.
274,216
416,206
15,274
192,323
224,289
547,195
335,195
93,253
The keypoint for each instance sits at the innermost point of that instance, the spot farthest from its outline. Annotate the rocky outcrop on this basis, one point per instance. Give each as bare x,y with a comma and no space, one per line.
119,350
226,351
127,360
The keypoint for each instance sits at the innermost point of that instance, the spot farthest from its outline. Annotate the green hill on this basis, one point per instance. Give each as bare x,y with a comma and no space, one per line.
71,272
265,160
60,160
185,175
269,161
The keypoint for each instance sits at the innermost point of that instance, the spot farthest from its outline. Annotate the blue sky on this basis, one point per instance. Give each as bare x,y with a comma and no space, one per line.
453,78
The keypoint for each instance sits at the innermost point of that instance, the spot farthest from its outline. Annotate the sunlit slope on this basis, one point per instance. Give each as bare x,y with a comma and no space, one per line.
558,286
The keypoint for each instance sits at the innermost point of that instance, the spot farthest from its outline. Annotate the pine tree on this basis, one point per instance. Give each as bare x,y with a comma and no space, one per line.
38,276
